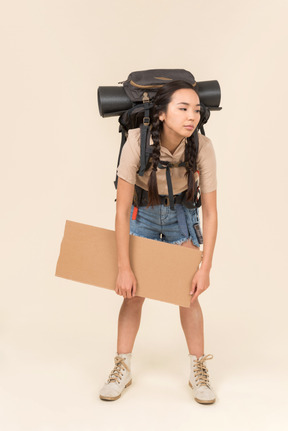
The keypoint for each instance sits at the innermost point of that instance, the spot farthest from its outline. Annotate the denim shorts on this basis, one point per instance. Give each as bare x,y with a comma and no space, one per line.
161,223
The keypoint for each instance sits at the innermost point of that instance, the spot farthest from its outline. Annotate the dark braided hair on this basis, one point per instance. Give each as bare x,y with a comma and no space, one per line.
161,101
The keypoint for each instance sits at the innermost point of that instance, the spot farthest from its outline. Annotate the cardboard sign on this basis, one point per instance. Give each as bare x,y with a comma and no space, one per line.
163,271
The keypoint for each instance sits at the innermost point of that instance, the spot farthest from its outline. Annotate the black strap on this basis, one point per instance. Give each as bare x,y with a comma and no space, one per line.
145,137
167,166
170,188
123,140
141,197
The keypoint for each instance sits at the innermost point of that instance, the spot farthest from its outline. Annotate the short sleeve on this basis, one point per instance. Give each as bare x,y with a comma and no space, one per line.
130,157
206,162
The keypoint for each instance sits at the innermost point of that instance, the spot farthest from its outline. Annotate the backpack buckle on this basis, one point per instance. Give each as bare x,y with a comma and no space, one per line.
145,98
146,121
166,201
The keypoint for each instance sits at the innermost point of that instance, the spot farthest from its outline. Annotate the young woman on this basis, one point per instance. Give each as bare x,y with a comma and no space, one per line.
176,114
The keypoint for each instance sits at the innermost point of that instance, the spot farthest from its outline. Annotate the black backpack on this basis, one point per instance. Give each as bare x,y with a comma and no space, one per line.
140,87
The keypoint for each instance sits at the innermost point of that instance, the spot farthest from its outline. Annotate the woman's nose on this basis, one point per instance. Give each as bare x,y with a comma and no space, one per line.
191,114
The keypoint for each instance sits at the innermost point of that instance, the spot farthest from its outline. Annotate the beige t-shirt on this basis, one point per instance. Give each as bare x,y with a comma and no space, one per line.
206,165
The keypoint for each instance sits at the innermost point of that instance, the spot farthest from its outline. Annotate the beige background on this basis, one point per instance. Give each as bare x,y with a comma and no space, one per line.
58,160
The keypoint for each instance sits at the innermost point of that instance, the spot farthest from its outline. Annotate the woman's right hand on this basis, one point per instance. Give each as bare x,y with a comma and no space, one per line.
126,283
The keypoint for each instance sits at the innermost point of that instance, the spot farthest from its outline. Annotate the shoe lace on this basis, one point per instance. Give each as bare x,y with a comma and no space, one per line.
201,372
116,373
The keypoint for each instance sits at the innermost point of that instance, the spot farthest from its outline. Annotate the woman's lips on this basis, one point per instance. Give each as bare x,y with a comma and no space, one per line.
189,127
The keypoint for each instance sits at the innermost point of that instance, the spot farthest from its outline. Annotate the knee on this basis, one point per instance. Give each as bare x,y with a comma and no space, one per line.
195,303
192,306
136,301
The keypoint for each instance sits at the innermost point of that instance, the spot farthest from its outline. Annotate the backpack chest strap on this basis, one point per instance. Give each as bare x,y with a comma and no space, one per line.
167,166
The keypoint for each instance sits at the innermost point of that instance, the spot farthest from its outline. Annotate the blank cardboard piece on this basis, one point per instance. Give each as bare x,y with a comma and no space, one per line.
163,271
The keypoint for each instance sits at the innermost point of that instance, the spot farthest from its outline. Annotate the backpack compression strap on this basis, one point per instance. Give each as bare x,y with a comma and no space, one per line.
145,138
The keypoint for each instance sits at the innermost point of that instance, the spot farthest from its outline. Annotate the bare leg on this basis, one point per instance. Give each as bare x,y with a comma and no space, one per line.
192,323
128,323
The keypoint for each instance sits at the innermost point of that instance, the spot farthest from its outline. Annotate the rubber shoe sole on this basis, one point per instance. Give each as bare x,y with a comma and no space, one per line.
118,396
202,401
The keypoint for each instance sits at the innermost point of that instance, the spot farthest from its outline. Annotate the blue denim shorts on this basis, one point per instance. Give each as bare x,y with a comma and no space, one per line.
161,223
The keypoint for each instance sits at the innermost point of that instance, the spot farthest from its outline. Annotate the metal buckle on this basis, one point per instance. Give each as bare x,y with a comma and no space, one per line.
145,98
146,121
166,201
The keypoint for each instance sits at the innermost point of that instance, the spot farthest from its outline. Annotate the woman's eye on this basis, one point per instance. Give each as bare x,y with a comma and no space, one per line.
185,109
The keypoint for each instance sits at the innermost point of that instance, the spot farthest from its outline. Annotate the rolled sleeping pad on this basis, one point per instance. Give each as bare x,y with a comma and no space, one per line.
210,94
113,101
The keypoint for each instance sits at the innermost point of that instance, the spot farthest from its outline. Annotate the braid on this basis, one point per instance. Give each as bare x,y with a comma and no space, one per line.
153,197
190,159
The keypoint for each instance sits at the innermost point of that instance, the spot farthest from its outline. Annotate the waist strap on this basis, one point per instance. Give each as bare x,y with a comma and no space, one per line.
141,199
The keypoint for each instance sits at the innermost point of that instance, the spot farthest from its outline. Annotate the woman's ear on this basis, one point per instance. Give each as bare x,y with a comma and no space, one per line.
162,116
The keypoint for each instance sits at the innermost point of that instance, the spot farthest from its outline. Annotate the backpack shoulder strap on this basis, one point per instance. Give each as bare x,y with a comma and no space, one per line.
123,140
144,139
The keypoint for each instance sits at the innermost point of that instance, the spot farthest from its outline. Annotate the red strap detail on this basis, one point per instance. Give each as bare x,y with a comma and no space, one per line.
134,214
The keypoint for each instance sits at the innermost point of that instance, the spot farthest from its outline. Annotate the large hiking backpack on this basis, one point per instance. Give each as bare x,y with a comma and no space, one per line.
140,89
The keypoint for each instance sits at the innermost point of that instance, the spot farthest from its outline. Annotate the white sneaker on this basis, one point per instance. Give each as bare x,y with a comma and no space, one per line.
199,380
119,378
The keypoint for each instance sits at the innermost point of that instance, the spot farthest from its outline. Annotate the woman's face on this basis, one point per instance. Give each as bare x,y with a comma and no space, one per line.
183,114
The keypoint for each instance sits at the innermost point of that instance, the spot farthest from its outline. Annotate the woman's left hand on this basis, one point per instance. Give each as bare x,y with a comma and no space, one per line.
200,282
